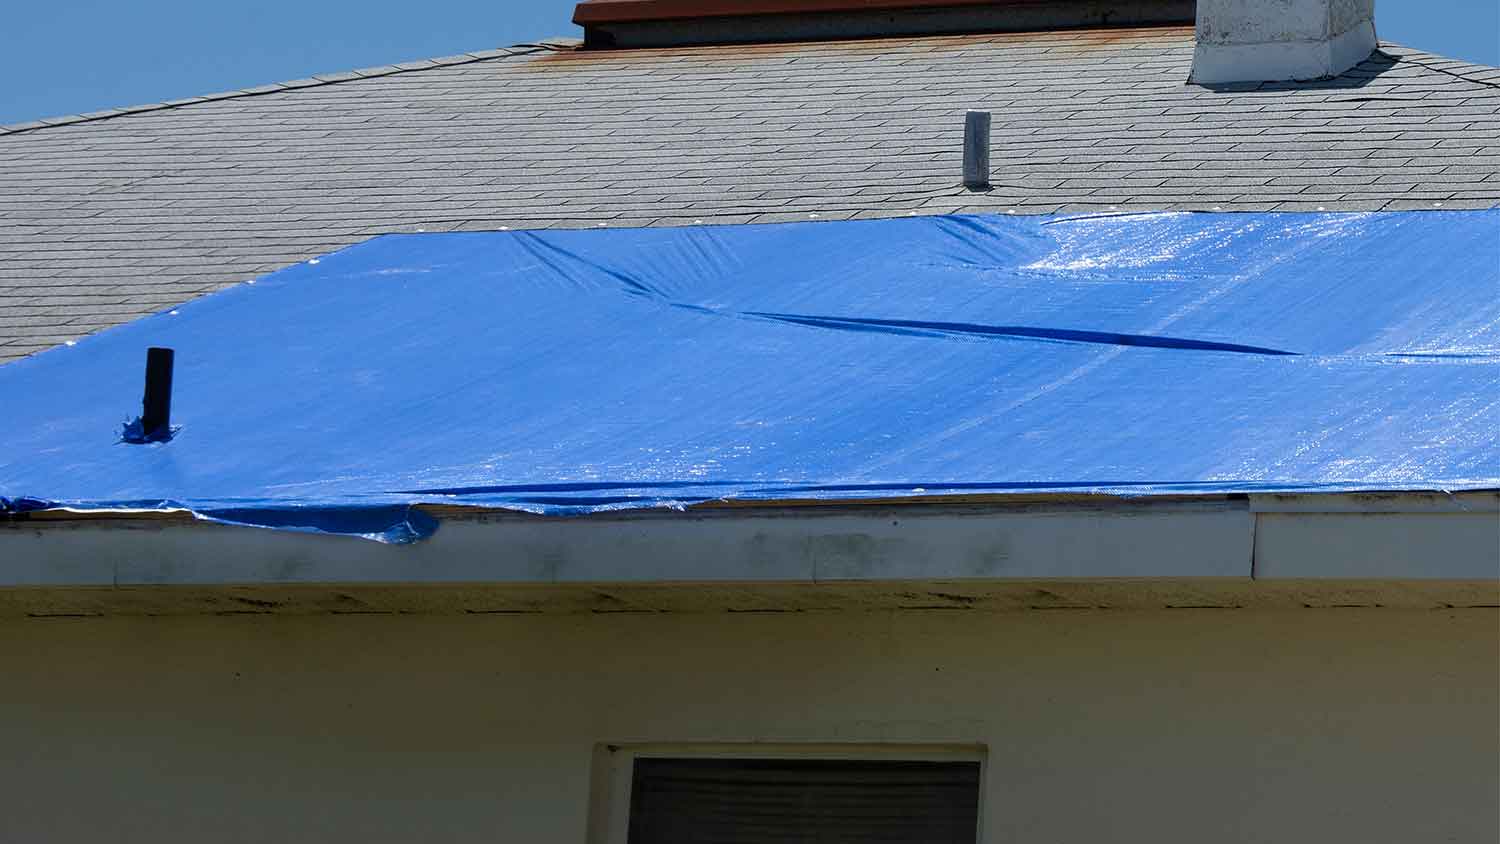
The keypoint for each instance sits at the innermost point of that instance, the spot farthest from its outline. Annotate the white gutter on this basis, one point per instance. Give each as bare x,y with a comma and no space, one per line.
1409,536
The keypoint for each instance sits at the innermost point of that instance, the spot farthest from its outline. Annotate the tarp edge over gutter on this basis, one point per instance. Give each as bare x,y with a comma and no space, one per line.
1408,537
410,521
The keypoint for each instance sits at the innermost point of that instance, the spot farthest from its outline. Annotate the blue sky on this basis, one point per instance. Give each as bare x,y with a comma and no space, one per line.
71,56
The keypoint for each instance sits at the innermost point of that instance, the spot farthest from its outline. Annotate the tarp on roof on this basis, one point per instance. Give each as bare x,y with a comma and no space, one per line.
567,372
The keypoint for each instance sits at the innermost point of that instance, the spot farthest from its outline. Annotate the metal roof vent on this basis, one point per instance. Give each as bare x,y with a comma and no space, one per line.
1274,40
660,23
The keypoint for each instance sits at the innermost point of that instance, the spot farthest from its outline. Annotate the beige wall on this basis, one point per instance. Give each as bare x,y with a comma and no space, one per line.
1189,725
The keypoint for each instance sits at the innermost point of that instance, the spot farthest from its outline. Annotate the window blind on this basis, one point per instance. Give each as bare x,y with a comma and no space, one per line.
767,801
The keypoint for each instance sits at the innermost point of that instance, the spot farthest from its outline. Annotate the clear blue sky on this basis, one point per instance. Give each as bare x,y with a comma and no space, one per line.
70,56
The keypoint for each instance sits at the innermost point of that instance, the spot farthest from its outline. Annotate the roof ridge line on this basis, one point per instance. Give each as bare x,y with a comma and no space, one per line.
1416,56
524,49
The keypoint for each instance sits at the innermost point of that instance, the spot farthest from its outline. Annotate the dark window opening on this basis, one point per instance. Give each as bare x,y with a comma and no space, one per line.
811,801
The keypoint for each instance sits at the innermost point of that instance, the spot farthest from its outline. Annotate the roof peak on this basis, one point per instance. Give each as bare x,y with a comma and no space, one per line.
1431,61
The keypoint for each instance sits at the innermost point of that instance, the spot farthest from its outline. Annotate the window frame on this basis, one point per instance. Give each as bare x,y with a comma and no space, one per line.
614,769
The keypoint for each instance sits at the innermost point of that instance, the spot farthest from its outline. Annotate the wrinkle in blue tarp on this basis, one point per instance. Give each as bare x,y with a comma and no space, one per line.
566,372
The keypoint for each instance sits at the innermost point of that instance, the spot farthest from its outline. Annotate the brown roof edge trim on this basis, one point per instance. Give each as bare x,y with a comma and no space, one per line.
591,12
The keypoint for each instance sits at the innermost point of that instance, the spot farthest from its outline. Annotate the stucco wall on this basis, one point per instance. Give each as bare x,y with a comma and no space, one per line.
1187,725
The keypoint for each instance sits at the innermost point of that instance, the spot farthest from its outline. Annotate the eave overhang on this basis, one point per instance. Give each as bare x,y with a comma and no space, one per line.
1404,549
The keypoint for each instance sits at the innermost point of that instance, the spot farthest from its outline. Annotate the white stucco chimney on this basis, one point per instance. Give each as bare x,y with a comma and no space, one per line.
1272,40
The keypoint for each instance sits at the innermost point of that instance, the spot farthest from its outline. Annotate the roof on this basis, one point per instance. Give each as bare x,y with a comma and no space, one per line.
107,217
920,358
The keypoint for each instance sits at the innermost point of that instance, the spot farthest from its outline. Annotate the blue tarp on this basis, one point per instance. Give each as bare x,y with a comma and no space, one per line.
566,372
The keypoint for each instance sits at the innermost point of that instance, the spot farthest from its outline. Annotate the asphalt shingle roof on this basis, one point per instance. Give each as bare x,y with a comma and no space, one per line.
106,217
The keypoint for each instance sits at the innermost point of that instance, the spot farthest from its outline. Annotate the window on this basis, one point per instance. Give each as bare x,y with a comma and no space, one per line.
789,794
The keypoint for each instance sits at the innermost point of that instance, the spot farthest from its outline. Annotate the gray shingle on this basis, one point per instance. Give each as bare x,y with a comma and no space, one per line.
107,217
